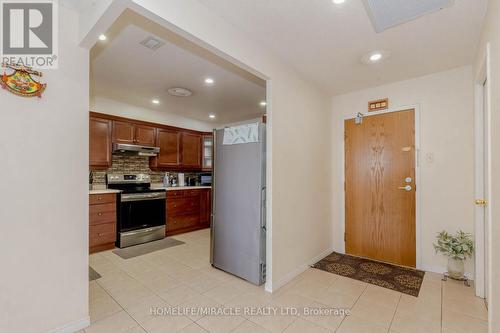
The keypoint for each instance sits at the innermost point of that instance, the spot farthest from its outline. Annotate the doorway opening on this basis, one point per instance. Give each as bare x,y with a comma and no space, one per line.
158,102
381,183
482,181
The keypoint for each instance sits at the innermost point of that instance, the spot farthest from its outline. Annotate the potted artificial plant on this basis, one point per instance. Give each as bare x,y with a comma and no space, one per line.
457,248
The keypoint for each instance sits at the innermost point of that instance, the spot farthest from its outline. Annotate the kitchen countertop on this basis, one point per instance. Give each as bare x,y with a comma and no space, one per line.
180,188
109,191
104,191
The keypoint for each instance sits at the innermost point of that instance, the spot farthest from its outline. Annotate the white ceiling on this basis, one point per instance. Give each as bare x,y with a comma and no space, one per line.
128,72
325,42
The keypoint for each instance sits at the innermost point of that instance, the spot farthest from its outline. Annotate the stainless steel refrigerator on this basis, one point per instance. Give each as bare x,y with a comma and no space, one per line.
239,203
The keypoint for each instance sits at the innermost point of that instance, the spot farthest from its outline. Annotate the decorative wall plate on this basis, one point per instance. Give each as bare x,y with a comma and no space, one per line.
21,82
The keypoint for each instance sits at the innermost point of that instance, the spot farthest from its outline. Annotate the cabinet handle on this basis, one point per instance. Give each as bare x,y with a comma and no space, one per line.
99,214
99,198
100,235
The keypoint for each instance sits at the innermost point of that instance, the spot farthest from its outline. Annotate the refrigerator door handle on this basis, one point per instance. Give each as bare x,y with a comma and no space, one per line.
263,223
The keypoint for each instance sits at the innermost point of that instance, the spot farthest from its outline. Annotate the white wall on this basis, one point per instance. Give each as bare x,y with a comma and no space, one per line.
491,35
446,187
116,108
44,201
299,193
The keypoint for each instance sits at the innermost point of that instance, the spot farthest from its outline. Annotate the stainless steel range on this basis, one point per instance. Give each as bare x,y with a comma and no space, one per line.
142,212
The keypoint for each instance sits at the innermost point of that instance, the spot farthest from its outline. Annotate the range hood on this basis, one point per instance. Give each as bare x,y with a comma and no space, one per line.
119,148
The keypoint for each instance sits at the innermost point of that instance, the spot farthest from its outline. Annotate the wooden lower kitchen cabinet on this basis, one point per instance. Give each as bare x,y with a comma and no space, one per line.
188,210
102,222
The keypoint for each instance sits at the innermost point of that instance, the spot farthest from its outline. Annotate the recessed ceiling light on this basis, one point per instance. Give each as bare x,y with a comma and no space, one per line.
209,81
211,116
102,37
338,2
155,101
263,103
375,57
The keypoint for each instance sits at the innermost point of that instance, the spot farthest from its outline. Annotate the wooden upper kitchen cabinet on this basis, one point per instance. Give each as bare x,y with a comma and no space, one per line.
191,150
100,143
133,134
207,152
123,132
180,149
145,135
169,143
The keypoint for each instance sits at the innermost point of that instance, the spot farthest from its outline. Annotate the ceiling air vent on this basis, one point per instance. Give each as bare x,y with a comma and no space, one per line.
153,43
385,14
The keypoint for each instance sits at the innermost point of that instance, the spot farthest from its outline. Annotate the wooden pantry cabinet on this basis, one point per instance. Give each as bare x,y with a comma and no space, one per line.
188,210
102,222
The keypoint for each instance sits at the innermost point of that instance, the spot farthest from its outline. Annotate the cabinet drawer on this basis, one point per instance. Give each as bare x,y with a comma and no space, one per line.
99,214
102,234
97,199
174,193
182,193
183,205
182,221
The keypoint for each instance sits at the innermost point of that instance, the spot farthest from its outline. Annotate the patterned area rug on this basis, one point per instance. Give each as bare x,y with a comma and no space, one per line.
402,279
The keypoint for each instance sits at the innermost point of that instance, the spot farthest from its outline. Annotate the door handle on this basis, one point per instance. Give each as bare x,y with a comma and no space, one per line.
406,188
481,202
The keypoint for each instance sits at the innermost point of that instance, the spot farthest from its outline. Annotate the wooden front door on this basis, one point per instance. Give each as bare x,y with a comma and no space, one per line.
380,187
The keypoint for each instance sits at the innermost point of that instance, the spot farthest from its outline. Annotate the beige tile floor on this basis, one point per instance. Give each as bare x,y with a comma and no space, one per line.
121,301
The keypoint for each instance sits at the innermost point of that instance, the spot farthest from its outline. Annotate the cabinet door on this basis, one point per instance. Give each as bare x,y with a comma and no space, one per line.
169,143
191,150
207,153
123,132
145,135
100,143
205,206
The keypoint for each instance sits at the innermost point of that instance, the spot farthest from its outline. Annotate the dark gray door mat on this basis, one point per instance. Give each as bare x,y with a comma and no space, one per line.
142,249
93,275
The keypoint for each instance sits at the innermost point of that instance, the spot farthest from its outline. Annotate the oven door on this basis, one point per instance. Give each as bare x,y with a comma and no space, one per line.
142,210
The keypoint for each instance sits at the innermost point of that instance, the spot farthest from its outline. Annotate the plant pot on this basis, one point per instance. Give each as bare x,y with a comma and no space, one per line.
456,268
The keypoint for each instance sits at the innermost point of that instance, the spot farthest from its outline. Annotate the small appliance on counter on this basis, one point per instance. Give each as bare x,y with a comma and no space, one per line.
142,211
181,179
192,180
206,179
167,180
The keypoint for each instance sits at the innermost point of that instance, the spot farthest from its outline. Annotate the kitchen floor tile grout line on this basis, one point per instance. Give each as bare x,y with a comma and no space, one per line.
352,307
395,312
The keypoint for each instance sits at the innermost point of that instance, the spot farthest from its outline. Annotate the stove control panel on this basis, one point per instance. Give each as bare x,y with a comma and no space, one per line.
130,178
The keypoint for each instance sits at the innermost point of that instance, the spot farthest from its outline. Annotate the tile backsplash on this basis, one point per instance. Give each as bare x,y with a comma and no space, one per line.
123,164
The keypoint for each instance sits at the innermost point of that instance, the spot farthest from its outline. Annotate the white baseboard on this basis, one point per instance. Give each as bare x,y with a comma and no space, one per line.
299,270
73,327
